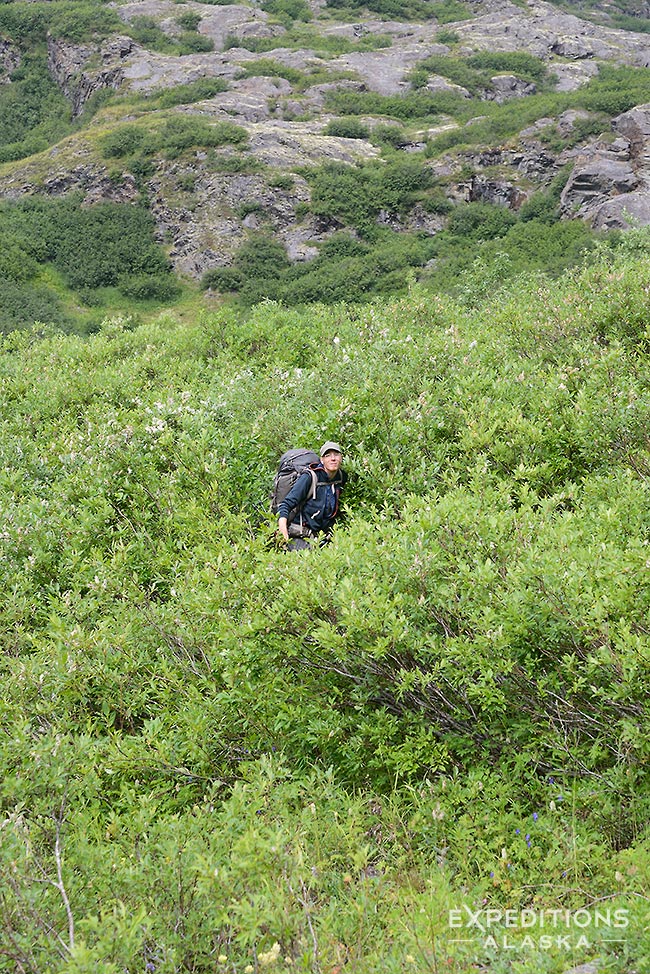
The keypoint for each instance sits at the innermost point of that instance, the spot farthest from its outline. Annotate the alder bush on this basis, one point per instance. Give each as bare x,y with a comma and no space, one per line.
218,755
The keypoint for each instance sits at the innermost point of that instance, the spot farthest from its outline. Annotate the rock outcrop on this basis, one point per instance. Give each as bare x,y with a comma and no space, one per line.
610,184
9,59
69,66
570,43
285,121
547,32
507,86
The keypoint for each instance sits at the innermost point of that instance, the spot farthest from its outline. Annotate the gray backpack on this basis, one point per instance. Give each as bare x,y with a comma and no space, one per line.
292,464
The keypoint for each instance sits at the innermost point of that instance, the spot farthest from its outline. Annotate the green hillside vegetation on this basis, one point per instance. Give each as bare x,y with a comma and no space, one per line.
475,72
221,757
480,246
303,37
614,90
105,256
376,243
34,113
92,250
445,11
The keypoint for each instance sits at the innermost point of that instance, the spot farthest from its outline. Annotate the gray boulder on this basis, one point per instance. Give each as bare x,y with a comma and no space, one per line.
571,76
385,71
624,212
237,21
248,100
508,86
634,126
595,178
437,84
610,186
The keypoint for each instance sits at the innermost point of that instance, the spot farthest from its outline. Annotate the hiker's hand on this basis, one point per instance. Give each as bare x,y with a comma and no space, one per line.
282,528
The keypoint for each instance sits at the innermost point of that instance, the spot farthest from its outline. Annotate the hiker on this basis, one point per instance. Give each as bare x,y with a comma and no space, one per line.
315,514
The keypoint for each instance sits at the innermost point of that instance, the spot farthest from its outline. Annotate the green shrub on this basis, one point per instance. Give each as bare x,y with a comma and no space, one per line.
515,62
123,141
543,205
447,37
261,257
345,269
497,123
480,221
83,21
267,68
92,247
402,181
189,93
355,195
251,206
256,271
614,90
416,105
26,23
189,20
146,31
288,10
189,43
33,111
217,747
177,134
437,202
638,24
231,163
445,12
392,135
282,180
475,72
476,258
24,303
223,279
187,132
299,37
449,11
347,128
100,245
343,192
16,264
149,287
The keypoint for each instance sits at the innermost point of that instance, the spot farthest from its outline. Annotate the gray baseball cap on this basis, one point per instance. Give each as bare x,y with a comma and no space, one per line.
330,447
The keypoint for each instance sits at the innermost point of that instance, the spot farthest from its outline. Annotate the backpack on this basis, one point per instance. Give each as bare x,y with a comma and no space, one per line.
292,464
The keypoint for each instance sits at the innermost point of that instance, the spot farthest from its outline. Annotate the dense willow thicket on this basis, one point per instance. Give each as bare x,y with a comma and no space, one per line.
218,756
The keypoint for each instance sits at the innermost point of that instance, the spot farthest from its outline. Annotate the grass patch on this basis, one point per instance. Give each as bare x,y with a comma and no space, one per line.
475,72
309,38
446,12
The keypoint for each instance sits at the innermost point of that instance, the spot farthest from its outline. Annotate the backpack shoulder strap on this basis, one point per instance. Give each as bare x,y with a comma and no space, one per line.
314,483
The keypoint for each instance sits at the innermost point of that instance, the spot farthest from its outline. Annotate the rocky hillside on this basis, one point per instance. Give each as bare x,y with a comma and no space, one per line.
218,116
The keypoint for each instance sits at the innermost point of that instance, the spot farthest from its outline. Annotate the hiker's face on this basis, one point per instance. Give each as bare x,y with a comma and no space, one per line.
332,461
